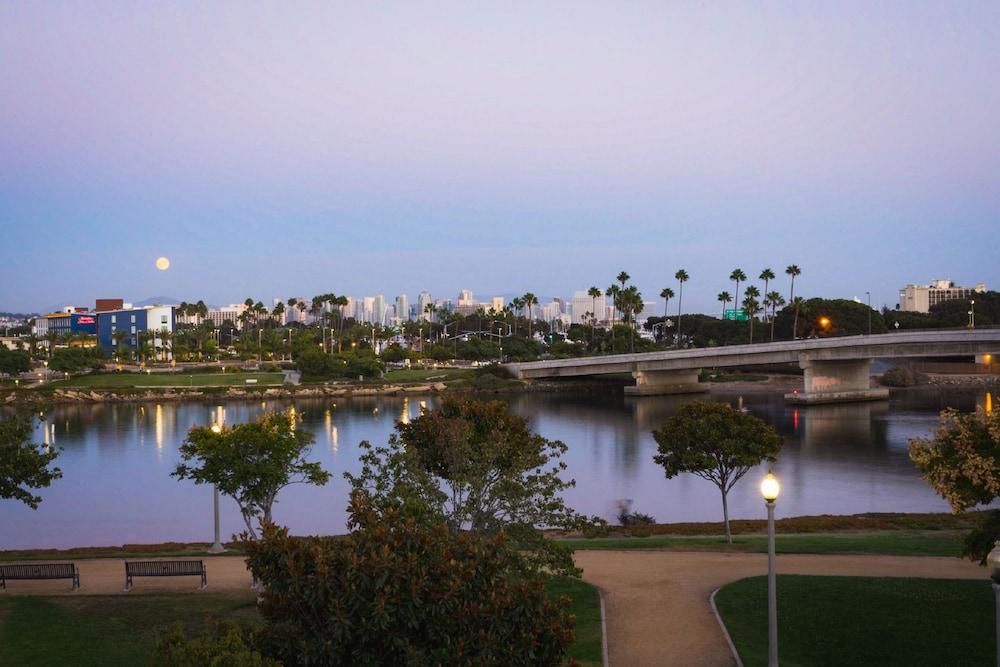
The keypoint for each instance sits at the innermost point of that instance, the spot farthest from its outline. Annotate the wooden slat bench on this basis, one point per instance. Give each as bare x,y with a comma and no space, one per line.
164,568
39,571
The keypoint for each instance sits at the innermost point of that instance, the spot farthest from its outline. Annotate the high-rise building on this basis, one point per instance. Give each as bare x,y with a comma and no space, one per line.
584,303
379,310
423,301
920,298
367,313
402,308
496,303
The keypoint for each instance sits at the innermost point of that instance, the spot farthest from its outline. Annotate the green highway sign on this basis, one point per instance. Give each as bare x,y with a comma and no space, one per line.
737,315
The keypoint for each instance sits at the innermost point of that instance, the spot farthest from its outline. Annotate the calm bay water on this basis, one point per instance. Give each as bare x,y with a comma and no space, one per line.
116,461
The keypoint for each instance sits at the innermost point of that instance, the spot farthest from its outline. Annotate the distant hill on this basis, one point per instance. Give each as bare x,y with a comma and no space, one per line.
157,300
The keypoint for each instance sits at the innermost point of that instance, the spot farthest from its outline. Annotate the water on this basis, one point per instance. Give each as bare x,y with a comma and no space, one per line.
116,461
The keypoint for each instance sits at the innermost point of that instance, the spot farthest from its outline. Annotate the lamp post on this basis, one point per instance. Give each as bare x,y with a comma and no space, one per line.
770,488
993,563
869,313
217,546
972,314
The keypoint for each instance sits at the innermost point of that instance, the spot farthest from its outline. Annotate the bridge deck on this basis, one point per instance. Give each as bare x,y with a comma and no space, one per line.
940,343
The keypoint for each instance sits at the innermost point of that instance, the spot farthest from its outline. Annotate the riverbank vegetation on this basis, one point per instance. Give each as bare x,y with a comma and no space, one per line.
906,622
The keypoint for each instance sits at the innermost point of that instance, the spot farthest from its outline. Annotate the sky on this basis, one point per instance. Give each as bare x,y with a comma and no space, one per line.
288,149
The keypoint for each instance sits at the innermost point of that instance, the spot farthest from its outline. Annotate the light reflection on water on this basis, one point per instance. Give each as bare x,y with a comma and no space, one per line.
116,461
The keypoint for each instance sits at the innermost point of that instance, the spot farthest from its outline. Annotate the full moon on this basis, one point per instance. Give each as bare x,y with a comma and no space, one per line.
163,263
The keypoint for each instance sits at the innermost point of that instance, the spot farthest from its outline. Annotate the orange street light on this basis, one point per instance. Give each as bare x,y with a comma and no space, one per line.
824,322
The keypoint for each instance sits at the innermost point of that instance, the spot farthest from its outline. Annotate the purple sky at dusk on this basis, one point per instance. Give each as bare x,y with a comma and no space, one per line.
363,148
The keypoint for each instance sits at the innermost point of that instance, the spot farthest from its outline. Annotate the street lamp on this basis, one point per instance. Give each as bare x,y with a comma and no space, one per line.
993,563
972,314
217,547
869,313
770,488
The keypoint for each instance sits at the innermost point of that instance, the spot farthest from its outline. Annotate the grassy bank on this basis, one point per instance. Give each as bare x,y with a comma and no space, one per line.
117,630
121,380
894,543
841,621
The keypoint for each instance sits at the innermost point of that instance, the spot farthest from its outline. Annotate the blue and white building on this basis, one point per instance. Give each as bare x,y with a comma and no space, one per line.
156,319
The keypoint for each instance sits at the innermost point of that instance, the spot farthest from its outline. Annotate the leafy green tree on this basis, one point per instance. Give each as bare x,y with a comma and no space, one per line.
844,317
961,462
14,362
76,359
251,462
396,591
24,465
480,468
717,443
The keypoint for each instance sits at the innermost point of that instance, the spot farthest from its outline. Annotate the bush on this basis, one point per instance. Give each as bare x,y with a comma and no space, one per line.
627,518
400,592
902,376
13,362
227,646
76,359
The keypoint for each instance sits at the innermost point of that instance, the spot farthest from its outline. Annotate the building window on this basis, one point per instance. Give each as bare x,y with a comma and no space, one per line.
133,318
163,319
112,319
133,329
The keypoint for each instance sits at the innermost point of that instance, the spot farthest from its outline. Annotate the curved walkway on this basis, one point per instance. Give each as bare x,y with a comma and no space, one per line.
657,605
658,611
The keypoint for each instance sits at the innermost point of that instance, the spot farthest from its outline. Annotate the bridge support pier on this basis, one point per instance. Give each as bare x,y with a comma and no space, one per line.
837,382
658,383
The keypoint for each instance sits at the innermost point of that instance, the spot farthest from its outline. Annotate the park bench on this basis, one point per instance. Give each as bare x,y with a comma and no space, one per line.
39,571
164,568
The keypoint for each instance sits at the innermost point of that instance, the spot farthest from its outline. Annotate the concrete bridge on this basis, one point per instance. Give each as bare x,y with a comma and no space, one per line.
836,369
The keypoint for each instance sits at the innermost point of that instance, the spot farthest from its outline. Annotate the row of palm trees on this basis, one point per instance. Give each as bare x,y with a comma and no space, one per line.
772,299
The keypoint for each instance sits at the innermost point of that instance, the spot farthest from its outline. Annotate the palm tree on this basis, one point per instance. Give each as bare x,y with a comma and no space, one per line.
623,278
793,271
516,304
752,307
738,276
279,310
613,291
594,295
529,301
775,300
796,303
666,294
766,275
725,298
682,277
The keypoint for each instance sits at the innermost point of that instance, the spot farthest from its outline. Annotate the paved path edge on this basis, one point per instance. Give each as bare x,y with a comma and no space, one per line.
725,630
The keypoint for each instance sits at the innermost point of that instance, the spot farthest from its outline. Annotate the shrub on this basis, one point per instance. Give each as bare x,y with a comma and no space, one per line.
227,646
13,362
628,518
398,591
902,376
76,359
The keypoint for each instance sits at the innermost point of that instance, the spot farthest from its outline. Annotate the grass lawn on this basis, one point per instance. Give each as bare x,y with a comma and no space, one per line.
118,630
840,621
890,542
424,375
117,380
585,605
102,630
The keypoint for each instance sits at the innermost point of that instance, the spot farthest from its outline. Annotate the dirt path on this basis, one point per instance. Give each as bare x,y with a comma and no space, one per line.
657,605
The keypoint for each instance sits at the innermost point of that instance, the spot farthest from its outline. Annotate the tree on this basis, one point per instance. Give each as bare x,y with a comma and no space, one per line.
477,467
251,462
682,277
396,591
792,270
14,362
594,295
738,276
961,462
775,301
717,443
24,465
750,305
666,294
529,300
725,298
767,275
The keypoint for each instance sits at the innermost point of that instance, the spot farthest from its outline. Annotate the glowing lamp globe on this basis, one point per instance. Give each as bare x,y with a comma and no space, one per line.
216,428
770,488
162,263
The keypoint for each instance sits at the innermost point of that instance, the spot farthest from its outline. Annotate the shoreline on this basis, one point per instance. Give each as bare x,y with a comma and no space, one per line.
775,383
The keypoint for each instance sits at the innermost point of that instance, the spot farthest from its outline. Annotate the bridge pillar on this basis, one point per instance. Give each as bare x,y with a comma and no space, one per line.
837,382
657,383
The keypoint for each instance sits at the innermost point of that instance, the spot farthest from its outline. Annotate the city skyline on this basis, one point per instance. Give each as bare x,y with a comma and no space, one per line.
274,151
